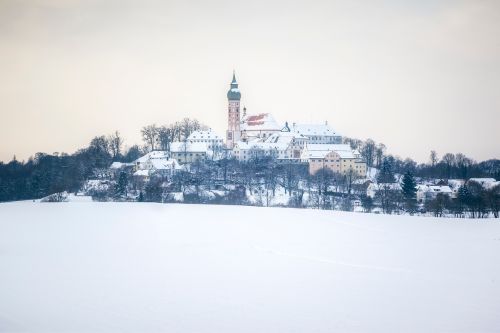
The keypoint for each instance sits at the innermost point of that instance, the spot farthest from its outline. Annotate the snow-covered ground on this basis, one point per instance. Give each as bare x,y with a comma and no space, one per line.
132,267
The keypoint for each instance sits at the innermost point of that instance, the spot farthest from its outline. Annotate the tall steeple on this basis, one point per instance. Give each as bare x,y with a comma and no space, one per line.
234,92
233,118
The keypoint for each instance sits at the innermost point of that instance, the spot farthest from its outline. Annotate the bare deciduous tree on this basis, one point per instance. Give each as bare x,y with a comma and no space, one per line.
150,136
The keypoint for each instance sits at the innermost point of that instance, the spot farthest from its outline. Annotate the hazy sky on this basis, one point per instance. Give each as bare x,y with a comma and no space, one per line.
416,75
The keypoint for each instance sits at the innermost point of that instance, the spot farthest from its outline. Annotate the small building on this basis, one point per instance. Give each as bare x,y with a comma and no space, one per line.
189,152
211,138
487,183
429,192
259,126
155,163
339,158
317,133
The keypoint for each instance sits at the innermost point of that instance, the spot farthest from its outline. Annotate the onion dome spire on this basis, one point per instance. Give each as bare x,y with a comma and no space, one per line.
234,93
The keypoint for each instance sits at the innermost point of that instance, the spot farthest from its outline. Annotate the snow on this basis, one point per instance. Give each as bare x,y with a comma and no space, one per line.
205,135
313,129
259,122
140,267
191,147
155,154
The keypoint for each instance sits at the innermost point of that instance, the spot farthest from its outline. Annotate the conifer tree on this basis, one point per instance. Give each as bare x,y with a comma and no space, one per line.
409,189
386,174
121,186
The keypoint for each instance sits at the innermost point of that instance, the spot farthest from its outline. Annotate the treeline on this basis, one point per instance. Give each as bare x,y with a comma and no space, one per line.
263,181
45,174
449,166
160,137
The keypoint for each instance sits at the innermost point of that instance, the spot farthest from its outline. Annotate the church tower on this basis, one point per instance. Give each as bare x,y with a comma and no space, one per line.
233,117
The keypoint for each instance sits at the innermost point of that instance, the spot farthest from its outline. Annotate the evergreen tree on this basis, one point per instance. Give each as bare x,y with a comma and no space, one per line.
121,186
409,189
386,175
367,203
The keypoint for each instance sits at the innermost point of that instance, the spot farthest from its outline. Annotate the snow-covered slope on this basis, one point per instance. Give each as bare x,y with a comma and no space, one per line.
131,267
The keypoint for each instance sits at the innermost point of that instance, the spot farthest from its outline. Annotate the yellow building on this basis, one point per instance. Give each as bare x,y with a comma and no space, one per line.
336,157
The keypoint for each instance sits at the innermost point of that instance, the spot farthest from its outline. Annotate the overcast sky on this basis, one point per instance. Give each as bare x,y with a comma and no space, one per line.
416,75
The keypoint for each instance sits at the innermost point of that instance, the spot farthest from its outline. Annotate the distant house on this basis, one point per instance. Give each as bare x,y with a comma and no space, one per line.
189,152
244,151
317,133
486,183
285,146
117,167
258,126
455,185
339,158
155,163
213,140
429,192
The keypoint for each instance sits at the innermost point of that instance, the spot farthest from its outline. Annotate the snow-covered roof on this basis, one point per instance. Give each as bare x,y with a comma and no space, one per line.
434,188
392,186
152,155
440,188
328,147
482,181
162,164
191,147
315,154
321,150
143,173
487,183
313,129
118,165
285,137
259,122
455,183
204,135
261,145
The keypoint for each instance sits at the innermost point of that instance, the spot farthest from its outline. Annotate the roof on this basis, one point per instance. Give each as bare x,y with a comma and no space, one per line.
487,183
119,165
162,164
204,135
483,180
328,146
440,188
152,155
455,183
142,173
392,186
314,129
192,147
321,150
261,145
259,122
285,137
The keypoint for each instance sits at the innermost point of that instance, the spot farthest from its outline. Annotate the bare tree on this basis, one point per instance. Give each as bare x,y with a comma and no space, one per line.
368,152
379,154
433,158
449,160
150,136
166,135
115,142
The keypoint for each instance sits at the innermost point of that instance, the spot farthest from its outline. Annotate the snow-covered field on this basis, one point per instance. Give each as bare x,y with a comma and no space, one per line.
132,267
